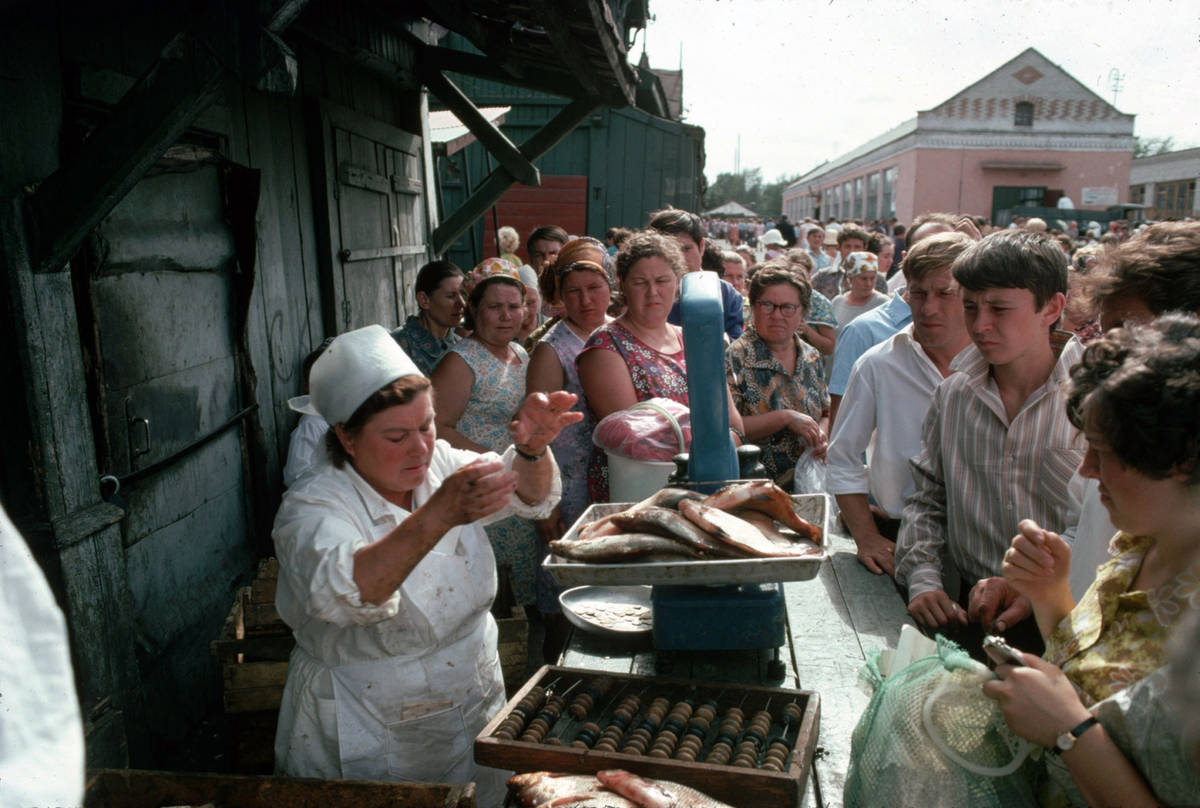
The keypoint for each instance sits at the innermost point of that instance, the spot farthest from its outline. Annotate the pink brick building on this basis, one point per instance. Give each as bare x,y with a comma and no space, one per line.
1028,133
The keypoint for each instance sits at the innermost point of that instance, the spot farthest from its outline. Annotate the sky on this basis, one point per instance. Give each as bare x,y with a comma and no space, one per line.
804,81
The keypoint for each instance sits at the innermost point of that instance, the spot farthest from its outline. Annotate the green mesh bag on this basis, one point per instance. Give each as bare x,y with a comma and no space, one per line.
929,737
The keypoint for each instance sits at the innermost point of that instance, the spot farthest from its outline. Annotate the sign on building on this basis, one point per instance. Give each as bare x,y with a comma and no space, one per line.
1098,196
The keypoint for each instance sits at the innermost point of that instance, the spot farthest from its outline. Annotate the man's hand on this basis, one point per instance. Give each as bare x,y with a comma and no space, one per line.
935,610
877,553
997,605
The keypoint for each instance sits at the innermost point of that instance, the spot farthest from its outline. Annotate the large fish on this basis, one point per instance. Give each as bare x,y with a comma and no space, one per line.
769,528
766,497
739,533
623,547
666,522
669,498
601,527
549,790
655,793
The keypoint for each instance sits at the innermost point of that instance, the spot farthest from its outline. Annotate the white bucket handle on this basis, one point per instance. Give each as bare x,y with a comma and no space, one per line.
661,410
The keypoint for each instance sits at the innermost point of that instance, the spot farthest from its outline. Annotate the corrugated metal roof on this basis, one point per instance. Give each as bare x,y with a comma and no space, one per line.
445,127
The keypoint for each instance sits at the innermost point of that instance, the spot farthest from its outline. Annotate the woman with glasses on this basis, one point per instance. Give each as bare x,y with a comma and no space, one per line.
776,379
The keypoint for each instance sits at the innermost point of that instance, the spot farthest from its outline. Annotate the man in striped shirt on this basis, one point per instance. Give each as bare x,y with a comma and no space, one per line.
996,445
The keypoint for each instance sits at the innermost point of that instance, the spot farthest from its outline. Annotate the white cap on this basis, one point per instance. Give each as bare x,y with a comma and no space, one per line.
302,404
355,365
772,237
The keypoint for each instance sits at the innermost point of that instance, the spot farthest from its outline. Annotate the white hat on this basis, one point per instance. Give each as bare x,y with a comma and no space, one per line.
355,365
772,237
528,276
303,404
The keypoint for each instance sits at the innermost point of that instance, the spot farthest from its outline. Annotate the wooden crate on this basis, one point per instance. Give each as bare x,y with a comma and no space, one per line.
254,648
126,788
742,788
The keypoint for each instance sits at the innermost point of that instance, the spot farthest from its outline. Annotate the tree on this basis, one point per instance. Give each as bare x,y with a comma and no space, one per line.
772,195
1150,146
747,188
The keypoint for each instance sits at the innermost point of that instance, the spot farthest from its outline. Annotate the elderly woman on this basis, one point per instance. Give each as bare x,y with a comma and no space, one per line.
479,385
777,381
861,269
639,355
386,576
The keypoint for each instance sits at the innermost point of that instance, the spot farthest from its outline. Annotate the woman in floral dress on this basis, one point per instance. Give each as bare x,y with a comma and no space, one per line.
638,356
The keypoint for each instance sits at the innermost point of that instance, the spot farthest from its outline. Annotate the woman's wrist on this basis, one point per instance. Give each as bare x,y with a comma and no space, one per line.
527,452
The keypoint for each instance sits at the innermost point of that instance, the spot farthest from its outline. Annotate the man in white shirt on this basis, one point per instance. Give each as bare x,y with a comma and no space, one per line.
886,399
996,445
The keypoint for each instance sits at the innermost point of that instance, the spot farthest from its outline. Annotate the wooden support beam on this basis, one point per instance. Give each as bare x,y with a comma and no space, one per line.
501,180
356,54
150,117
558,28
499,146
188,76
605,29
472,64
285,15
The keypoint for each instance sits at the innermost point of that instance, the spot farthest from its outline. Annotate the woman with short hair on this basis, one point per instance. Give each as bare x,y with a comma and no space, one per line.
776,378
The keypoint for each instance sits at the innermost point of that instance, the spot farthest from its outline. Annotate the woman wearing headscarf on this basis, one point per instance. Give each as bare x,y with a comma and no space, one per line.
386,576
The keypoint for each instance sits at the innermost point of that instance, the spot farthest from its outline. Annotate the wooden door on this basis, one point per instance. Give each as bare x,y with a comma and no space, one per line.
371,210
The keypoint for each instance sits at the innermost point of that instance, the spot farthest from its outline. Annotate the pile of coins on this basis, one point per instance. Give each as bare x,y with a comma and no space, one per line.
615,616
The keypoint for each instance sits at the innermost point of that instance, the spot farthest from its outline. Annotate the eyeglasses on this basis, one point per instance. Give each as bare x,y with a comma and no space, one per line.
787,309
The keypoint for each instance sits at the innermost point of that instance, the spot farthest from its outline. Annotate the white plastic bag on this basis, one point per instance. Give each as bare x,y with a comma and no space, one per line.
810,475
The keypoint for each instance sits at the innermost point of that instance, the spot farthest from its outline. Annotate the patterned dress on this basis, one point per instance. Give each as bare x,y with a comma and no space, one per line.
496,394
761,384
1114,637
654,374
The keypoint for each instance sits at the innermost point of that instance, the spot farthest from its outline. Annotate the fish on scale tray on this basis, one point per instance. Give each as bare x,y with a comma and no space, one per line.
738,521
614,788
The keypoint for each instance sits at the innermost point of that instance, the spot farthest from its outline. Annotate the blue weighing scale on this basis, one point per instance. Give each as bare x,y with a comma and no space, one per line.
713,618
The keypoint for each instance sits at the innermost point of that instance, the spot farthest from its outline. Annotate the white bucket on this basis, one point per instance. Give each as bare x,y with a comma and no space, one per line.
635,480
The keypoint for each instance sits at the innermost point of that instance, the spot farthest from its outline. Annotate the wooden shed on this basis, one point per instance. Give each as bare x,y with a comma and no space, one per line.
195,195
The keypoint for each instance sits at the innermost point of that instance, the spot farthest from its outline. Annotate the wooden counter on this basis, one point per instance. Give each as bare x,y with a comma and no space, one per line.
834,621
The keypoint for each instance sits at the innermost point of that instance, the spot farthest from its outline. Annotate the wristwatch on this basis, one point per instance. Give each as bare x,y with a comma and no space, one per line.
1066,741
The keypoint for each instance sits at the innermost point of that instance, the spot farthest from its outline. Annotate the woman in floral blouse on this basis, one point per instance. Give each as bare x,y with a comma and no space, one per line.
1135,395
638,356
776,378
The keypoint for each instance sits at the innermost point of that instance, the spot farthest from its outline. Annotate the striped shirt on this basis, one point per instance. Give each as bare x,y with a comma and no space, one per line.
977,475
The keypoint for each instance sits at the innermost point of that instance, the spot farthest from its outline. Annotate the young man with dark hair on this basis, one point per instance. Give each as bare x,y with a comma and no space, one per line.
543,246
996,445
687,229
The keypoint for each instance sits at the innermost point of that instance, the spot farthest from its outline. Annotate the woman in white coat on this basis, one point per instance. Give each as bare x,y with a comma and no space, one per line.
386,575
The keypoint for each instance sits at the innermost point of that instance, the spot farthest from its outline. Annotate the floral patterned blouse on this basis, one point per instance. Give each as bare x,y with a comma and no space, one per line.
654,374
820,311
1114,637
422,347
761,384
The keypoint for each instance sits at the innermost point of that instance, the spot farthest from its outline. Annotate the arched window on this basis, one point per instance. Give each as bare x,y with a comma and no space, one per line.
1024,114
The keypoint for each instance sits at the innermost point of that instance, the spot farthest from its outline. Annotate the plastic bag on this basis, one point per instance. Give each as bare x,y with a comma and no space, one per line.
810,475
654,430
930,737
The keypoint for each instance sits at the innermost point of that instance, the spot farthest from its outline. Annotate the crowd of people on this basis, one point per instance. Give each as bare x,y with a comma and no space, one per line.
1006,417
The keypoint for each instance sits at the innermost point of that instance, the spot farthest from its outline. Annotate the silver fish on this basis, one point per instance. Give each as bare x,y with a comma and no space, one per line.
655,793
669,498
623,547
738,532
666,522
550,790
769,528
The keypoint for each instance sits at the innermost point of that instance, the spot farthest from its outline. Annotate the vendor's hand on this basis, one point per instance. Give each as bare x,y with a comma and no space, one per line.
1039,701
935,610
1038,563
541,417
996,605
472,492
876,553
552,528
804,426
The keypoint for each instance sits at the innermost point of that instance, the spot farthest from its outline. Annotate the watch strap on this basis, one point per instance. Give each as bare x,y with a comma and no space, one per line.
1066,741
531,458
1084,726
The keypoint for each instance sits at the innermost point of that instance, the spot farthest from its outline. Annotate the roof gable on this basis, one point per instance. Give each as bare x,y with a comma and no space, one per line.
1060,100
